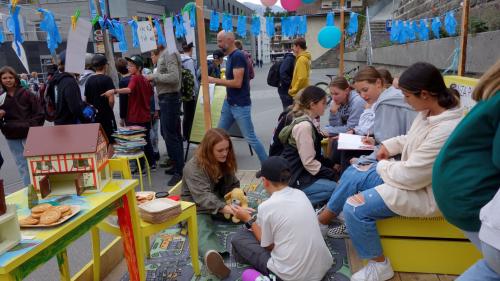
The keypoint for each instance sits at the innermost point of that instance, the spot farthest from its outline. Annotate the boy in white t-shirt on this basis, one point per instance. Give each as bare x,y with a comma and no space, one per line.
284,239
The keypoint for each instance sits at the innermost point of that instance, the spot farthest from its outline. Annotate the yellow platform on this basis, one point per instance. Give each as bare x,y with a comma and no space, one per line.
426,245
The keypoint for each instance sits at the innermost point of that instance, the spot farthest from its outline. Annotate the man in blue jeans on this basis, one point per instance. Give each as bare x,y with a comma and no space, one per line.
237,106
167,79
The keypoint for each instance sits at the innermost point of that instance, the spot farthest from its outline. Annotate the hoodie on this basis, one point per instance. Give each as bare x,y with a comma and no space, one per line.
287,68
301,73
347,116
65,92
22,111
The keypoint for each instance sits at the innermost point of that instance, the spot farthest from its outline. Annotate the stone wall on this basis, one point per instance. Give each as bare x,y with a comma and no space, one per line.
482,53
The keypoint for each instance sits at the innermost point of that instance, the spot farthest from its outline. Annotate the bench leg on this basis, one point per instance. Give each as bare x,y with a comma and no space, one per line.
96,252
62,262
193,242
147,247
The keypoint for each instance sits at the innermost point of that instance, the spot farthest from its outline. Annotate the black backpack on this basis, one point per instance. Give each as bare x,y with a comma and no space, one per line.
276,146
273,77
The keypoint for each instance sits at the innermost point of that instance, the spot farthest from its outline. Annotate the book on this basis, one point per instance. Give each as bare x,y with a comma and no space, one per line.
352,142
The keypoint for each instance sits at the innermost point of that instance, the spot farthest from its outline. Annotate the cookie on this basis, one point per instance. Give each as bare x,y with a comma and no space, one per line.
36,215
63,208
41,208
50,216
28,221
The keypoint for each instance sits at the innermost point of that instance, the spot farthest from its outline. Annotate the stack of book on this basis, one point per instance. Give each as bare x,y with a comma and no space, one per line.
129,140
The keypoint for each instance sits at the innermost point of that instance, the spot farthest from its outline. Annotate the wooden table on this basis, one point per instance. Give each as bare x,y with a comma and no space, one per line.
117,195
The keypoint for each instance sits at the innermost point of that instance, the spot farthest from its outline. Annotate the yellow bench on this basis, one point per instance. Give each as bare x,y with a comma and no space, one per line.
426,245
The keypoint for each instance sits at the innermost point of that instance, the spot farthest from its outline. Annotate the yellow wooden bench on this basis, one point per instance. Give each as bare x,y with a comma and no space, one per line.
426,245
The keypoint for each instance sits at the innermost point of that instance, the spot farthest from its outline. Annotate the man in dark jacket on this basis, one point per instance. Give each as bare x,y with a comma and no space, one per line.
286,75
64,91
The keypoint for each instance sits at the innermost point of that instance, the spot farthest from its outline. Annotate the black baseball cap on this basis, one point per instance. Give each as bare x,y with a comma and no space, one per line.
99,60
217,54
187,47
272,169
137,60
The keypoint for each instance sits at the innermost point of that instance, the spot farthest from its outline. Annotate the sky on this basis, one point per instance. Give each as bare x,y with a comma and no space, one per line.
258,2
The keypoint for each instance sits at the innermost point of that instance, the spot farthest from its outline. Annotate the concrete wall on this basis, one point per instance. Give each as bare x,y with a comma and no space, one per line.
482,52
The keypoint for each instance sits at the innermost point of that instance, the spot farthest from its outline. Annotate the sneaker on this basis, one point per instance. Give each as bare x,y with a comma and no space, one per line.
215,264
170,170
153,168
374,271
339,231
174,179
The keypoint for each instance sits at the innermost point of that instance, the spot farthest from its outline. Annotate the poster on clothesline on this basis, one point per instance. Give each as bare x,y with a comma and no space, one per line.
147,40
189,29
22,57
170,37
76,47
465,86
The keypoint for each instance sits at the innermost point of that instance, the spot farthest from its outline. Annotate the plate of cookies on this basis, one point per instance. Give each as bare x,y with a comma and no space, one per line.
144,196
47,215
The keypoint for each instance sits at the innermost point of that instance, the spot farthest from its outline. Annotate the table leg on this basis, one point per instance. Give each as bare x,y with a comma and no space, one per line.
7,277
140,173
147,247
148,169
62,262
132,238
96,252
193,240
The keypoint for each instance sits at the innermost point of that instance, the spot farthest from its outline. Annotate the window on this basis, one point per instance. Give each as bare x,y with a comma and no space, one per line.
81,163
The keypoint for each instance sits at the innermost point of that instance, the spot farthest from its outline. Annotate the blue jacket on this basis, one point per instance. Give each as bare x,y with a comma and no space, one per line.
286,71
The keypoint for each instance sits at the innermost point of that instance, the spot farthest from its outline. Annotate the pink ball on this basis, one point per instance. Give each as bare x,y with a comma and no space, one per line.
250,275
268,3
291,5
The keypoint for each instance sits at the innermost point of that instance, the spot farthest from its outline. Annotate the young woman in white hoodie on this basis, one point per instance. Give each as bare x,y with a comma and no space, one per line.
402,187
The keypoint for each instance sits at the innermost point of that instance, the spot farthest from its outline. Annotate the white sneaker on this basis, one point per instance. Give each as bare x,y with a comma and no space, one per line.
374,271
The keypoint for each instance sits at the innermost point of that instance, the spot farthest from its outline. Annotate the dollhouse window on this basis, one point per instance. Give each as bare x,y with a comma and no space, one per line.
44,165
81,163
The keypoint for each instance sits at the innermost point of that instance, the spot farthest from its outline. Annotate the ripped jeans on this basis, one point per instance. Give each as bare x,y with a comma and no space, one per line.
361,221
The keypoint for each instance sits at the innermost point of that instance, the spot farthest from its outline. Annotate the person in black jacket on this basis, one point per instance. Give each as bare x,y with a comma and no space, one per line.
20,109
64,91
286,75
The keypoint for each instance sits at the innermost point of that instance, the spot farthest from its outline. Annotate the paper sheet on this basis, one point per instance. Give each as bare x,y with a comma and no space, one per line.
170,37
352,142
146,34
76,47
211,91
189,29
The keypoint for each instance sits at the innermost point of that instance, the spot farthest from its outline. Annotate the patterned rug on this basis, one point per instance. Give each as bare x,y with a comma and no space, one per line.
170,259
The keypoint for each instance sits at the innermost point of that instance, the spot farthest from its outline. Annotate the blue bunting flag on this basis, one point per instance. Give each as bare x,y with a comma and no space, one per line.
303,26
159,32
403,33
435,26
214,21
424,30
330,19
119,34
14,26
1,37
255,28
410,31
352,28
135,36
48,24
450,24
241,27
192,17
180,30
227,22
395,31
270,26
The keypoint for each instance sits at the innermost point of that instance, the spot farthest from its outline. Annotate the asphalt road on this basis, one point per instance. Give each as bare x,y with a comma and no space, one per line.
266,107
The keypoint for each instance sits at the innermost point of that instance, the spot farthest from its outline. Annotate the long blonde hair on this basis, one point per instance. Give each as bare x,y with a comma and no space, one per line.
488,84
206,158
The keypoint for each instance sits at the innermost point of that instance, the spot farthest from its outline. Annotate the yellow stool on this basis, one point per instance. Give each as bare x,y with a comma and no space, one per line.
426,245
137,158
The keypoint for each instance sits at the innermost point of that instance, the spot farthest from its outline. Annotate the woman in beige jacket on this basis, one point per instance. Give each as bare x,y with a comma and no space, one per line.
404,187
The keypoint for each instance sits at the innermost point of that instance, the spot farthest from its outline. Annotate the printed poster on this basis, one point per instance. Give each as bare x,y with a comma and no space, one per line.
146,35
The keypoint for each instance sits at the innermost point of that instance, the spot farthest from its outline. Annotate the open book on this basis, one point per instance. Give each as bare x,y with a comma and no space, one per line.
352,142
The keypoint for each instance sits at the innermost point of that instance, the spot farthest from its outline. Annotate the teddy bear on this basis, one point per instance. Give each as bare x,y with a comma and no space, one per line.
236,197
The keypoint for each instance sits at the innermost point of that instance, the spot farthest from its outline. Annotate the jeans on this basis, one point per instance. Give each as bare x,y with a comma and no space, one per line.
189,108
16,147
247,250
360,220
320,191
207,239
286,99
351,182
154,134
170,120
486,269
243,117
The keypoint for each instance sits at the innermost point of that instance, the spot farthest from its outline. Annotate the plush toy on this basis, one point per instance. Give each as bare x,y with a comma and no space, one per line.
236,197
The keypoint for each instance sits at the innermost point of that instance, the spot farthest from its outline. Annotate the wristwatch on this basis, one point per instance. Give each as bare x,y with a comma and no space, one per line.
249,223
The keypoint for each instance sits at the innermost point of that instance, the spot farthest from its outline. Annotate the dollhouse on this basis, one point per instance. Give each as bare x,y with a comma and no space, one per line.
67,159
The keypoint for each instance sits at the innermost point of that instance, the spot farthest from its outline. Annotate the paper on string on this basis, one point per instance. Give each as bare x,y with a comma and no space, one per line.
76,47
352,142
146,34
189,29
211,91
22,57
169,36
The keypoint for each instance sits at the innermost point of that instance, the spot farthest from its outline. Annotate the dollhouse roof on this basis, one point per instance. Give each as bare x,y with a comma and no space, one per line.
63,139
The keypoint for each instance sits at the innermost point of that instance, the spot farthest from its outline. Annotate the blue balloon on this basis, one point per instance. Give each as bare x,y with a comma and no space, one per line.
308,1
329,37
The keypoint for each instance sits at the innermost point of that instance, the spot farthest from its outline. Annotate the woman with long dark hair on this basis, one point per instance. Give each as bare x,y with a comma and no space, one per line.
20,109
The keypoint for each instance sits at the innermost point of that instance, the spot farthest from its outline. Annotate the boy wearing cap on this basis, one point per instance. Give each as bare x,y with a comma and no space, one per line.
214,65
283,239
94,87
139,92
